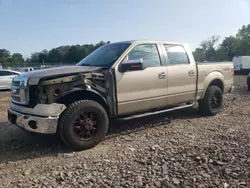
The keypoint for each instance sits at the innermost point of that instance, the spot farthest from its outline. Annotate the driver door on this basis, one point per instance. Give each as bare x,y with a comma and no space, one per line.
142,90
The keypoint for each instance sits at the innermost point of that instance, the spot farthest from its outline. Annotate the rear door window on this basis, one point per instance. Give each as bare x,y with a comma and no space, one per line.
176,55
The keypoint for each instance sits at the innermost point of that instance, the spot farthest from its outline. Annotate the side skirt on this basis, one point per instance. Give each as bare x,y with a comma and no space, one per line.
157,112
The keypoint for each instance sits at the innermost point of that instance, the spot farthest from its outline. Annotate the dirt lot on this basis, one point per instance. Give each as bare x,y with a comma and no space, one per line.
178,149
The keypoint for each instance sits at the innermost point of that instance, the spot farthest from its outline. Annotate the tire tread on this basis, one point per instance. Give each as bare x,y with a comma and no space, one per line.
68,112
204,103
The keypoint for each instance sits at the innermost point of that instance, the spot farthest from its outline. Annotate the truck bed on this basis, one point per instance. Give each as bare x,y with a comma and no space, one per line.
207,71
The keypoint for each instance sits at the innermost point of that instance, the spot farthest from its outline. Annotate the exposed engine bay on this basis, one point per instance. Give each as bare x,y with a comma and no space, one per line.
65,85
50,90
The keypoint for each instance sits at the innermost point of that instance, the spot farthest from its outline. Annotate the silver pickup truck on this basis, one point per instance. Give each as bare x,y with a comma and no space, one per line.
119,80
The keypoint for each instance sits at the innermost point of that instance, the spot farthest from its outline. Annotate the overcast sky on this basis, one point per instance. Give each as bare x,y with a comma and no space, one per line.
28,26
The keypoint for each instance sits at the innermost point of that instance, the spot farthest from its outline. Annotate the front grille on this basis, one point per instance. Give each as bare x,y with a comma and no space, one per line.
15,91
15,83
16,99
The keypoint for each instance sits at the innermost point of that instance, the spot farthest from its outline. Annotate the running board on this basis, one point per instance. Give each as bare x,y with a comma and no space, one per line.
156,112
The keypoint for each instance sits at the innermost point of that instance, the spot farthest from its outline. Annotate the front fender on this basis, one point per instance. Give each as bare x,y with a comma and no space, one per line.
81,94
83,90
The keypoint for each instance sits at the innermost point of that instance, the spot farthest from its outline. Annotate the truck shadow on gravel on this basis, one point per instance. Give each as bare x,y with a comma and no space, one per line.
15,144
118,127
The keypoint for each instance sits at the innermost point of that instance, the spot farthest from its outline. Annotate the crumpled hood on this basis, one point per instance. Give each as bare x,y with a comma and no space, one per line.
35,76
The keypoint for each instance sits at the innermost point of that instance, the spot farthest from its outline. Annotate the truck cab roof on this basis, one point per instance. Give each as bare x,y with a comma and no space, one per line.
150,41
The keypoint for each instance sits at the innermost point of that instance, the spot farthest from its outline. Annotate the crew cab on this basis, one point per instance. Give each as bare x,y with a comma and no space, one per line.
123,80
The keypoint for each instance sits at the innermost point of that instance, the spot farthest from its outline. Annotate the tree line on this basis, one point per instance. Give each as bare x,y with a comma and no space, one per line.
208,50
231,46
62,54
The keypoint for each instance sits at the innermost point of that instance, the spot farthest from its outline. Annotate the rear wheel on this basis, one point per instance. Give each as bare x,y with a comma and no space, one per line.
83,124
212,102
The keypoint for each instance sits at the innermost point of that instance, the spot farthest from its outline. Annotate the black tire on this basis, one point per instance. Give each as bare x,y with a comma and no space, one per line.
248,82
206,106
68,128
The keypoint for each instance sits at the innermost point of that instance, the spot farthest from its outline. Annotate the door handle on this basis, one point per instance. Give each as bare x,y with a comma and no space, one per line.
162,75
191,73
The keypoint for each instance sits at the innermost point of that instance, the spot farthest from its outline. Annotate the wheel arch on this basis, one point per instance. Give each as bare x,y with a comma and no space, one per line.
216,79
81,94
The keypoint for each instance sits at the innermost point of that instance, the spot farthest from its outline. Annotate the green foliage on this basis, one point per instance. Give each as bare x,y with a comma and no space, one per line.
34,57
17,59
27,61
54,55
42,57
199,55
231,46
220,54
5,57
65,54
61,54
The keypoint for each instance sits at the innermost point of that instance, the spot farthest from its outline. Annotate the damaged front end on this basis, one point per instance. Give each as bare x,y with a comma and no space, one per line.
37,101
68,88
51,89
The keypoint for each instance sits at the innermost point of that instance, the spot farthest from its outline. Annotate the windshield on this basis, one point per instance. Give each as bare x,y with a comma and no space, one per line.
104,56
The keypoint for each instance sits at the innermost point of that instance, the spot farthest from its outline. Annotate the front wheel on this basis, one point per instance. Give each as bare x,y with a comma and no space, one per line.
83,124
212,102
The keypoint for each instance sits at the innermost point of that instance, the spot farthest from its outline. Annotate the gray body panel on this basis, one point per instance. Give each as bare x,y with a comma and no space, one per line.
35,76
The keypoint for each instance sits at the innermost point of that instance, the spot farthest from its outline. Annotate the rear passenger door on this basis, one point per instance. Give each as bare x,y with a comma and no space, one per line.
145,89
181,75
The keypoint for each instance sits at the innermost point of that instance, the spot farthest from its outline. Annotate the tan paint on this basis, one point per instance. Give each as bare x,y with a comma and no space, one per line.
139,90
143,90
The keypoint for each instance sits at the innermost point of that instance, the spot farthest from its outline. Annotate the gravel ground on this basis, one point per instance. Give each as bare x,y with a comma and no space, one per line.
178,149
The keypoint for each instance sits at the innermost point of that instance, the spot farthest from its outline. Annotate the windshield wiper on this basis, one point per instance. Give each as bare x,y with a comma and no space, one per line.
86,65
101,65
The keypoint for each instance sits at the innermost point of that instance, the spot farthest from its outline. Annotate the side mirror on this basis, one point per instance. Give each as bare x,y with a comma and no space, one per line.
131,65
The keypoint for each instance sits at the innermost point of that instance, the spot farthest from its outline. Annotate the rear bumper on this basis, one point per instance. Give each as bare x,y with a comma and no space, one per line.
248,80
228,89
231,89
31,123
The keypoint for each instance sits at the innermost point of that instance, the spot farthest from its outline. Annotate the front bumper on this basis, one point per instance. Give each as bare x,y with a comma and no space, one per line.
36,124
